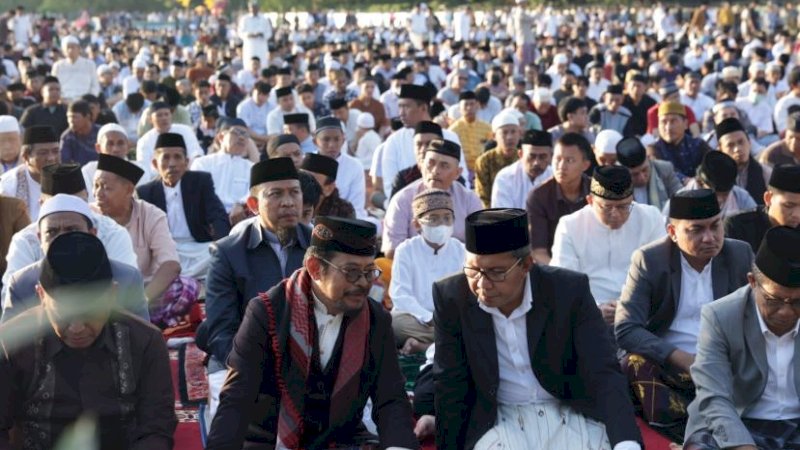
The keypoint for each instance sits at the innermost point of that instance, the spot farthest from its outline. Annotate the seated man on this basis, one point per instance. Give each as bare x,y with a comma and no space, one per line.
424,132
674,144
513,183
507,131
26,247
418,262
654,181
60,214
786,150
160,116
40,148
285,146
522,355
563,194
324,170
782,208
745,366
256,256
600,238
297,125
343,353
79,140
439,171
350,180
735,142
657,320
112,141
99,360
195,214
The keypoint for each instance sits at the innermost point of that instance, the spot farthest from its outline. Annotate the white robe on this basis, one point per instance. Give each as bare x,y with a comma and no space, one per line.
231,175
255,46
8,187
512,185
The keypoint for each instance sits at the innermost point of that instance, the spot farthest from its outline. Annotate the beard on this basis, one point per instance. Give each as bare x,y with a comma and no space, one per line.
286,235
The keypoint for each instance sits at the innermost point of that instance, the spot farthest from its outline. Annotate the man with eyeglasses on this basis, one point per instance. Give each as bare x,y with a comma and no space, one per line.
657,320
513,183
522,353
257,255
311,350
600,238
746,365
782,208
40,148
418,263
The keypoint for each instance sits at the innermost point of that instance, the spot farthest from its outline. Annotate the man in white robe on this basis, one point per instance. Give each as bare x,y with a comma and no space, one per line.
513,183
40,148
255,31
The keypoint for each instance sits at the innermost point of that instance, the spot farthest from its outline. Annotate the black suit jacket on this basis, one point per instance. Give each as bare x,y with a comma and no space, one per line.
205,214
250,400
230,105
570,350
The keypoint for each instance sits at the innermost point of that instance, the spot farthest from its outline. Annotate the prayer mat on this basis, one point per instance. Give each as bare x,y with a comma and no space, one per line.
187,433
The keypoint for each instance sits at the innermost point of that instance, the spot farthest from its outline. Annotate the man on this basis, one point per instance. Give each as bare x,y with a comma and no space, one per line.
229,167
202,99
314,397
40,148
252,259
330,139
424,132
286,105
440,170
102,361
367,101
507,133
112,140
610,114
472,132
255,31
254,111
161,118
574,118
50,112
349,119
734,142
195,214
224,97
285,146
745,366
521,353
418,263
667,93
338,89
656,322
324,170
10,143
781,111
600,238
674,144
13,218
79,141
563,194
692,97
605,147
786,150
758,109
513,183
637,102
61,214
133,82
654,181
781,208
77,75
298,125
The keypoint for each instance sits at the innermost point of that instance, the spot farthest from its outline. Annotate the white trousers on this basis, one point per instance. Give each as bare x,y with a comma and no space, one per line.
544,426
215,382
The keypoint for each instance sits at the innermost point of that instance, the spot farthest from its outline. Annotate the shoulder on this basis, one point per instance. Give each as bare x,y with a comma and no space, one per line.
736,249
237,237
124,271
730,308
661,165
140,330
658,250
544,190
148,187
506,172
197,176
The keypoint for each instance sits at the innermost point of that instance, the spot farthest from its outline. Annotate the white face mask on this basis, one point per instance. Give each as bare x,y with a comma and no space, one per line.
437,235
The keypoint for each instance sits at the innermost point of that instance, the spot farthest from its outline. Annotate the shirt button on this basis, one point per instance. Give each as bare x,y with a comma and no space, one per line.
541,413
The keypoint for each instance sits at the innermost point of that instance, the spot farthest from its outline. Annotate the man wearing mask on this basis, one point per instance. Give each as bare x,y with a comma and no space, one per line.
513,183
418,263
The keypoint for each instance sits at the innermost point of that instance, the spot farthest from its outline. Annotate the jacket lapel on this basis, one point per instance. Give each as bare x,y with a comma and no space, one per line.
755,340
543,295
720,275
655,187
188,195
675,275
159,198
482,328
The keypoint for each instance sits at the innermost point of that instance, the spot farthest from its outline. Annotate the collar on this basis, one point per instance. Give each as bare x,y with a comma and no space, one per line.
259,234
177,186
686,267
53,345
585,181
765,330
321,311
521,310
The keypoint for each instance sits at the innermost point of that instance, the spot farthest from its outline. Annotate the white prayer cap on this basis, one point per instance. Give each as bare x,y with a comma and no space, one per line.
542,94
606,141
332,65
139,63
515,112
503,119
646,140
627,50
103,68
773,67
731,72
756,67
64,203
67,41
365,120
560,59
9,124
110,127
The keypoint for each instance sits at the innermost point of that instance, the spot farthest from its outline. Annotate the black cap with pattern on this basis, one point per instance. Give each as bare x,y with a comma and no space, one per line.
352,236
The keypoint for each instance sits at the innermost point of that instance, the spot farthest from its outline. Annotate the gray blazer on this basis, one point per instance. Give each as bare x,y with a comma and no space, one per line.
730,370
650,297
130,290
663,183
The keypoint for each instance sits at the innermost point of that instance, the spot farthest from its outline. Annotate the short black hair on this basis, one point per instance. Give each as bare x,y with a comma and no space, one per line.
577,140
80,107
310,187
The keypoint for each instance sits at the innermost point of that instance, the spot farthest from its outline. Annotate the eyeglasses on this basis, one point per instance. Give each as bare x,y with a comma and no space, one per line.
495,276
774,303
352,275
622,209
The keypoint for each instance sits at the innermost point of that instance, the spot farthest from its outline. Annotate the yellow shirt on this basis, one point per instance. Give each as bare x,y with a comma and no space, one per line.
472,136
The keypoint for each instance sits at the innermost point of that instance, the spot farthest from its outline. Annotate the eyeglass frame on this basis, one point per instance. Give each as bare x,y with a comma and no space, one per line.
774,303
361,273
622,209
482,273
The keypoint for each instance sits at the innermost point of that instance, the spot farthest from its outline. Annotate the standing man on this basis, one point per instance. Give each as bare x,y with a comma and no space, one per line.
342,353
521,351
255,31
513,183
77,75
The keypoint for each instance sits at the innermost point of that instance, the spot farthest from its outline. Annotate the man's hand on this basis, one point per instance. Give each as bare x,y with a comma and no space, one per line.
608,309
426,427
681,360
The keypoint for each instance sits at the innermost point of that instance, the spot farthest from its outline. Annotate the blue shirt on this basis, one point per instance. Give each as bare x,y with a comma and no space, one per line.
79,149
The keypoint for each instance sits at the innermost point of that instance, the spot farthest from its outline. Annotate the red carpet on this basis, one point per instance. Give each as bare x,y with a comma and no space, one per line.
187,434
652,440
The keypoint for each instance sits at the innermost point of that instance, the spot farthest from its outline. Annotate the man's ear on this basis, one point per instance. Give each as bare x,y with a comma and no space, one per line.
768,198
252,204
589,199
40,292
314,268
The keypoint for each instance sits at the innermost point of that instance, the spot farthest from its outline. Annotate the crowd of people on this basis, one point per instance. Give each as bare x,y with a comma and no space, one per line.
575,217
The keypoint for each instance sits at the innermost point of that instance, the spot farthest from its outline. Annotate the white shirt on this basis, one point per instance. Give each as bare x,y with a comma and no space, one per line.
512,185
275,119
130,85
246,80
595,91
415,268
584,244
255,46
398,154
351,183
146,146
25,247
696,290
76,78
518,384
782,110
328,328
253,115
760,114
699,104
779,400
231,175
176,217
8,187
366,146
390,103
